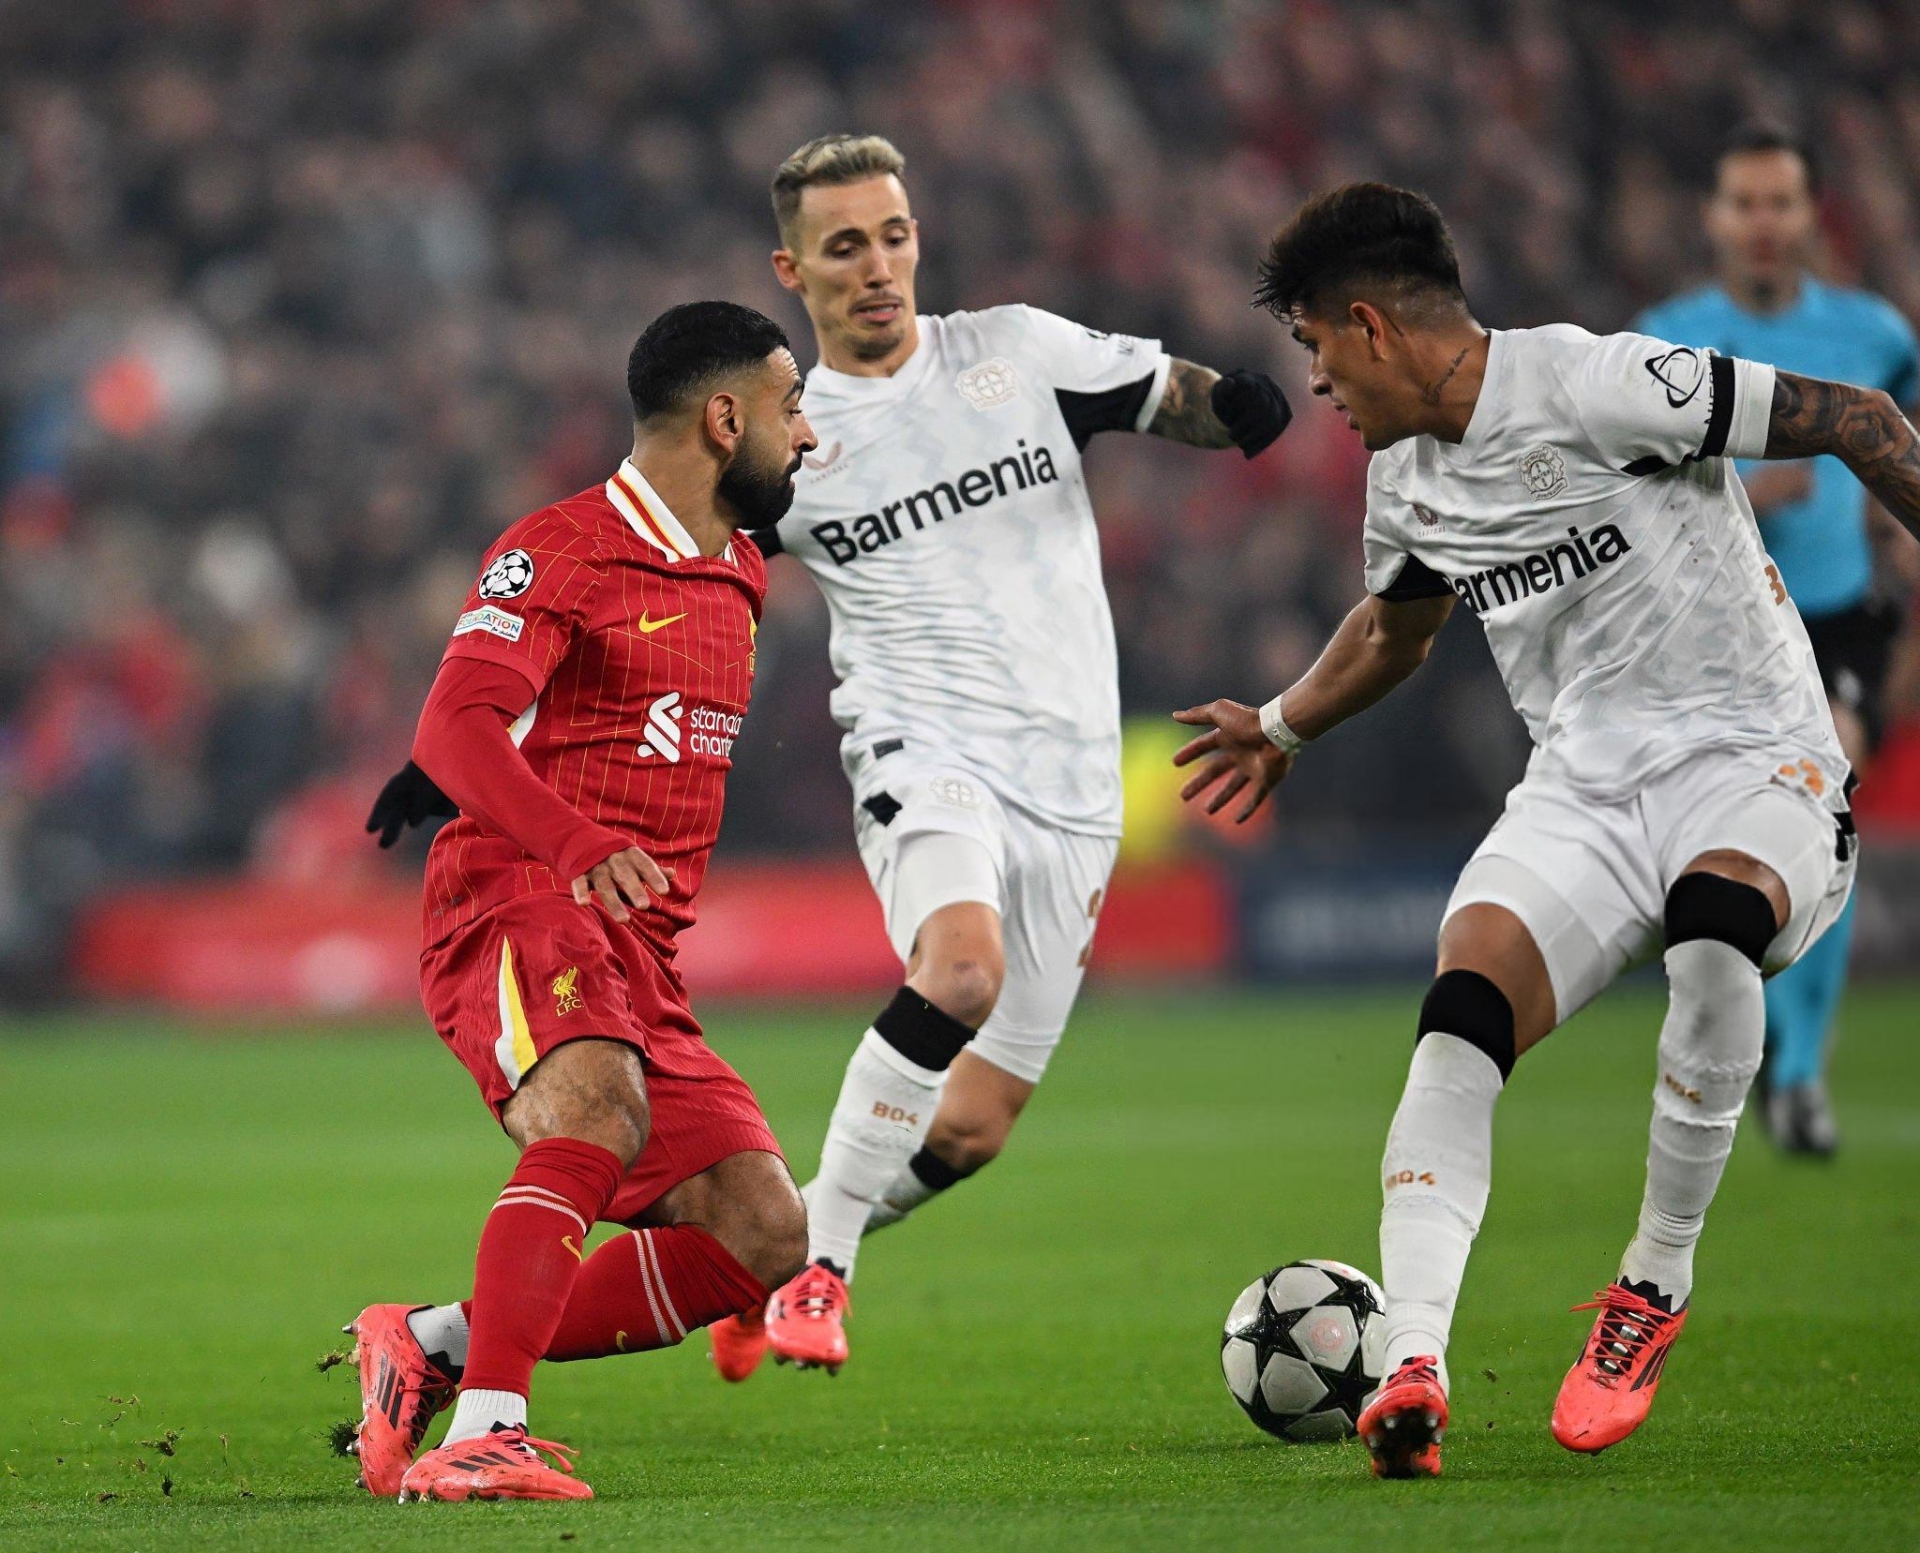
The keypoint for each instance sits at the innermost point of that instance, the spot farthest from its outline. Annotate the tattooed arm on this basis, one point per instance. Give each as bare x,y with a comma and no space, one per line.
1186,408
1862,427
1203,409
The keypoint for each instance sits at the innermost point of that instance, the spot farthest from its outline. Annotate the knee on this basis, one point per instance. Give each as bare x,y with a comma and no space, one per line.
619,1118
593,1090
965,984
1470,1008
1490,948
769,1236
1714,908
965,1144
966,1136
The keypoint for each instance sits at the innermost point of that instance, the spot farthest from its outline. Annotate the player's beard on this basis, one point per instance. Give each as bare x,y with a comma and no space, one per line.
877,347
759,493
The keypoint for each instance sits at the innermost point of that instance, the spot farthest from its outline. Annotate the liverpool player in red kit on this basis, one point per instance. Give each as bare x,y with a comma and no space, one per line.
582,720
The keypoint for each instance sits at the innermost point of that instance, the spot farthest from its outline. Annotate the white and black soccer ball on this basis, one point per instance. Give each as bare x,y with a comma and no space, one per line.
1302,1349
508,577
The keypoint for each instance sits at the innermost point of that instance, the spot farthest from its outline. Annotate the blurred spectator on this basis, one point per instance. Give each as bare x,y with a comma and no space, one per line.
300,304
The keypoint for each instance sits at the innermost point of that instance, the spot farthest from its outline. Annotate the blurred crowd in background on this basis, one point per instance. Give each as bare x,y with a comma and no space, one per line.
301,304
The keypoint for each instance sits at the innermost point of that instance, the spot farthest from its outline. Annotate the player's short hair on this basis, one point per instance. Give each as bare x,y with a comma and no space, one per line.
689,348
830,159
1362,236
1754,136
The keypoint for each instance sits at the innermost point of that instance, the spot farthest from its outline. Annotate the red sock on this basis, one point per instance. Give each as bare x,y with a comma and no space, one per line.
648,1290
530,1258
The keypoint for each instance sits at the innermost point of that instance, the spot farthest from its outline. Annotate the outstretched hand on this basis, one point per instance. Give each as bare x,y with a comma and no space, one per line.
409,798
1236,750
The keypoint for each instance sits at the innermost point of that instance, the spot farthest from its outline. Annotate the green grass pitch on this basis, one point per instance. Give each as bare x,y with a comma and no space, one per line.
187,1221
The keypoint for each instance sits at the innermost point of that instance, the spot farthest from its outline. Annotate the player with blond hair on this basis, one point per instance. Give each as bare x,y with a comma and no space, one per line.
946,519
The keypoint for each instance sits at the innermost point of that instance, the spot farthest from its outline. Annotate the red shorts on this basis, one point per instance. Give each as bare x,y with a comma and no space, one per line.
539,971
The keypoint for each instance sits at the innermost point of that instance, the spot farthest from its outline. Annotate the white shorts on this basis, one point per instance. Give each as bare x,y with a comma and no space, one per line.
933,834
1590,879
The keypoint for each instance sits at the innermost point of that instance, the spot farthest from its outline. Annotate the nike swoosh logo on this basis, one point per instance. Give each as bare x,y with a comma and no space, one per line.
620,1340
648,627
567,1241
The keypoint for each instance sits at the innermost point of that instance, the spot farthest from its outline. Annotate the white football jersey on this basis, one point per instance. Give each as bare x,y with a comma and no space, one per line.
1592,519
945,517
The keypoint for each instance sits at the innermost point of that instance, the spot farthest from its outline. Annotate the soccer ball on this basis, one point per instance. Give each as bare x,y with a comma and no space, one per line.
1301,1351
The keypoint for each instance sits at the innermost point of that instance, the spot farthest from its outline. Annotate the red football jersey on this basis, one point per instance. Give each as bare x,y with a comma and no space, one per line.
642,651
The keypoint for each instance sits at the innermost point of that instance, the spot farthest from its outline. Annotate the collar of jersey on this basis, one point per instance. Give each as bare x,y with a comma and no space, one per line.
649,517
823,381
1486,407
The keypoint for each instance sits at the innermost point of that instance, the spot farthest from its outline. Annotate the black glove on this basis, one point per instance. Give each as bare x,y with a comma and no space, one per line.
1252,408
409,798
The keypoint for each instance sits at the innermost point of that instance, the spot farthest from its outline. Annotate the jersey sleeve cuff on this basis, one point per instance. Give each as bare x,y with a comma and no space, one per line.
1156,391
1752,409
587,848
487,651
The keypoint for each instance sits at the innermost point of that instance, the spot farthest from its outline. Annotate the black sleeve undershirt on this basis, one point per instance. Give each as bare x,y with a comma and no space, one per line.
1414,580
1106,409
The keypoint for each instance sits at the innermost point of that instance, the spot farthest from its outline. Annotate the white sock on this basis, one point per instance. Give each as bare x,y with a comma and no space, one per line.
886,1105
903,1194
1438,1167
890,1209
1709,1052
441,1331
478,1411
906,1193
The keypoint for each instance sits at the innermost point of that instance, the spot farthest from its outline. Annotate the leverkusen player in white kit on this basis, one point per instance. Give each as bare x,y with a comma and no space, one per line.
946,519
1686,793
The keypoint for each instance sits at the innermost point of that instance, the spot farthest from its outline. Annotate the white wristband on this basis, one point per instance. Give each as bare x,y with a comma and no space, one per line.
1274,726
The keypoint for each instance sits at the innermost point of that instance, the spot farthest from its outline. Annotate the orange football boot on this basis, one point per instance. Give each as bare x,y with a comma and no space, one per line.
1406,1420
501,1464
806,1320
1610,1387
739,1343
401,1390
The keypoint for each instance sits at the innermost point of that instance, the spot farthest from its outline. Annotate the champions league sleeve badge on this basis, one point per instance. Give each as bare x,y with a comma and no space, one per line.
508,577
